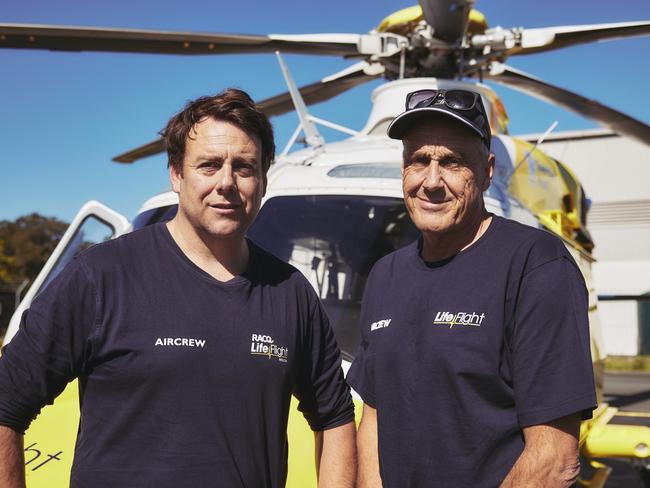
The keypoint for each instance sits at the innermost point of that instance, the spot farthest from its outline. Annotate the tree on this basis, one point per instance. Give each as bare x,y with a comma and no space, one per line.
7,267
25,245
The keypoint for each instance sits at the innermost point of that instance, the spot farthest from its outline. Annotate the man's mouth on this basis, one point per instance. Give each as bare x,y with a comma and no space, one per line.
225,206
432,203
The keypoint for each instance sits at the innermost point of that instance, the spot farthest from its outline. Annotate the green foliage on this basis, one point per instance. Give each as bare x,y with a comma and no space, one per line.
7,267
25,245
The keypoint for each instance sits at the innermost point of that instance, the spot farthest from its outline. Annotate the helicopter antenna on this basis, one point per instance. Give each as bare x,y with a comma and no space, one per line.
539,140
312,136
402,60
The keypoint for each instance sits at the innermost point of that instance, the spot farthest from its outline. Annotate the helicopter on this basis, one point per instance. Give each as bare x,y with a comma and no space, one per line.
354,183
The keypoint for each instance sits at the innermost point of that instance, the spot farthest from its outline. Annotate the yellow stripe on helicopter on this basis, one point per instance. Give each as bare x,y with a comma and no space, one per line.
403,21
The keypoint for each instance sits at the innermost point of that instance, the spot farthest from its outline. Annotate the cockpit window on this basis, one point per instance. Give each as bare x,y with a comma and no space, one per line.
334,241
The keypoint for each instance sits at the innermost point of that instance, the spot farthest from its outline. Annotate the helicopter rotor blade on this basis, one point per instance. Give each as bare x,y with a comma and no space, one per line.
551,38
325,89
605,116
448,18
68,38
150,149
512,42
320,91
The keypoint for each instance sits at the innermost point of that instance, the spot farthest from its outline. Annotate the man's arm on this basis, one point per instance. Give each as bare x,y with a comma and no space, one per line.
550,456
12,463
368,475
336,456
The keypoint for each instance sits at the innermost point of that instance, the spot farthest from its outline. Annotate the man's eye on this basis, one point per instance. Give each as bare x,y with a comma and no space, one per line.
417,162
451,162
246,169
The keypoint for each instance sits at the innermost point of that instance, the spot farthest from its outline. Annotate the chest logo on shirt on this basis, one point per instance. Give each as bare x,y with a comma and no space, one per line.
264,345
179,342
470,319
380,324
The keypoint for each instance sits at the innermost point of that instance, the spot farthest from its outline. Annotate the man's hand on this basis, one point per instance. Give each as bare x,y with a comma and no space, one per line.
12,462
336,456
368,475
550,456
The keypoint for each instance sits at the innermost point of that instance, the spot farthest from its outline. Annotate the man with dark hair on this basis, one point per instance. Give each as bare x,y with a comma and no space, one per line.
474,364
188,340
233,106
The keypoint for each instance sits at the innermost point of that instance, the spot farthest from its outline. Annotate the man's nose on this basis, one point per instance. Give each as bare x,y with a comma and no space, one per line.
433,178
226,179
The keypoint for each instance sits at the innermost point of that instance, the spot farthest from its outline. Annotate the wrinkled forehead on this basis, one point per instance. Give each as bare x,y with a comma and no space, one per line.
441,131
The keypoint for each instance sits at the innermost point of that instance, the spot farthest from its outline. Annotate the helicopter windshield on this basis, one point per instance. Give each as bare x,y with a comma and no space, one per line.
334,241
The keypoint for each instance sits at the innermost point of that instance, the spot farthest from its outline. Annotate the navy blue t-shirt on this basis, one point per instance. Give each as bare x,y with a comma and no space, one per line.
185,380
457,356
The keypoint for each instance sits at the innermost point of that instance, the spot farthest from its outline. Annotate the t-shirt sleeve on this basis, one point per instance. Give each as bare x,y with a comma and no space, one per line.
360,375
49,349
551,359
323,395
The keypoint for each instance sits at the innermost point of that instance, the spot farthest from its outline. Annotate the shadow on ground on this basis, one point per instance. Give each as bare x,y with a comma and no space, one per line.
622,401
624,475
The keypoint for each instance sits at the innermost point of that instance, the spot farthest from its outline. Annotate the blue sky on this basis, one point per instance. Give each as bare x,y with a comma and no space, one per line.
65,115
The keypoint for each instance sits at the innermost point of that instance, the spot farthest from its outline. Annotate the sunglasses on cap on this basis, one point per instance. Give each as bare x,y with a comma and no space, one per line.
454,99
464,105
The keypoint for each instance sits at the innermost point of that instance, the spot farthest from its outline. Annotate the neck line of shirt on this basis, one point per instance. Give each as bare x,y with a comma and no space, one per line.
238,280
429,265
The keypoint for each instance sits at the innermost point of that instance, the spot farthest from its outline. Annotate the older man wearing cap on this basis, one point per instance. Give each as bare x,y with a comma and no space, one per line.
481,371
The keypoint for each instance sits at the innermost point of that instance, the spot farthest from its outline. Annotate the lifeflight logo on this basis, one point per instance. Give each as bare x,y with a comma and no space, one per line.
264,345
461,318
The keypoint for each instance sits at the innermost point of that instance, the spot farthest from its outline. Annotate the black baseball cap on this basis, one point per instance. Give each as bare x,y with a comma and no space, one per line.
463,105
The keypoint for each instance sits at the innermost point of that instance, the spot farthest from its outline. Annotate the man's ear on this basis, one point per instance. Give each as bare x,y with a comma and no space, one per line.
489,171
404,156
175,178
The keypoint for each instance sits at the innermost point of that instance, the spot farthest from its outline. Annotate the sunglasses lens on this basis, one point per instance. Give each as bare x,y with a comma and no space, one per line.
416,98
460,99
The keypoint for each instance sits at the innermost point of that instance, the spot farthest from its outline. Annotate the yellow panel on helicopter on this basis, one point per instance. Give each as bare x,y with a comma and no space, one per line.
403,21
552,192
537,182
49,442
302,465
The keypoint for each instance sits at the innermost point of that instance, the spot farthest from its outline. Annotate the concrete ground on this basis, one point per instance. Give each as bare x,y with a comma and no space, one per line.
628,391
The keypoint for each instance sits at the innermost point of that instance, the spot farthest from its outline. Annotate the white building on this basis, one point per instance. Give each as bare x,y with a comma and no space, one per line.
615,173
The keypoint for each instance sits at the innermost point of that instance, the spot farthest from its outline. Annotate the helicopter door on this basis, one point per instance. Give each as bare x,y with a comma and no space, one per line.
94,223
